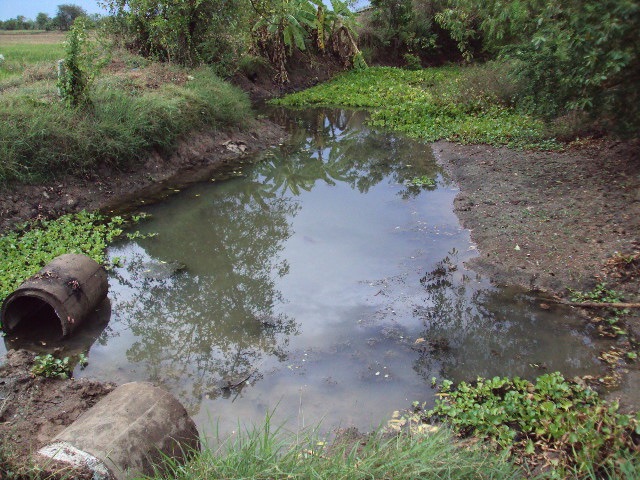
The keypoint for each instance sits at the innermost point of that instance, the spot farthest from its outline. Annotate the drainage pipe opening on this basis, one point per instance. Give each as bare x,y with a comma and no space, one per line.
32,317
68,289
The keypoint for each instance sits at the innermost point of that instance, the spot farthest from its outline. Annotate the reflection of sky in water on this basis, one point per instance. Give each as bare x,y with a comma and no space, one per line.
320,284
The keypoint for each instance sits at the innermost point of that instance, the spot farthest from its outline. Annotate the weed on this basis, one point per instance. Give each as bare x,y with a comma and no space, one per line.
422,181
553,421
430,104
49,366
600,294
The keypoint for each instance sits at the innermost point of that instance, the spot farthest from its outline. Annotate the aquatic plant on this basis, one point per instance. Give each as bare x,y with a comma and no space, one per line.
430,104
27,249
560,424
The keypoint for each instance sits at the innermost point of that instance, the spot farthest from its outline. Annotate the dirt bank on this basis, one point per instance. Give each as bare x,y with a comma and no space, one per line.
107,189
558,221
548,220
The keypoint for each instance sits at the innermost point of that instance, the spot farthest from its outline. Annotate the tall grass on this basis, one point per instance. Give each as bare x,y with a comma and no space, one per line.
40,137
261,453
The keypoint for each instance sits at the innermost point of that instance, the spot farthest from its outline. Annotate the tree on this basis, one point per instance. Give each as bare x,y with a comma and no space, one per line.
173,30
285,26
67,13
574,55
42,21
18,23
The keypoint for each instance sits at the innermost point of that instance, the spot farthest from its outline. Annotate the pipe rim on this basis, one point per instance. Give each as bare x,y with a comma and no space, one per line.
46,297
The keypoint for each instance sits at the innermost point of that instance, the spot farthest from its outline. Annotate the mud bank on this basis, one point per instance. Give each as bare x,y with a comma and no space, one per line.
557,221
108,189
549,220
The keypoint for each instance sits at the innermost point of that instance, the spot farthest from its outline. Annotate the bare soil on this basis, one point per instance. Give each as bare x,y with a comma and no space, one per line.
556,222
549,220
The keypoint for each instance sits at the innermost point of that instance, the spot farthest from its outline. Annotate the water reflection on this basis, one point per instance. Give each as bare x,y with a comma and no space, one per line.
320,280
333,146
205,326
470,331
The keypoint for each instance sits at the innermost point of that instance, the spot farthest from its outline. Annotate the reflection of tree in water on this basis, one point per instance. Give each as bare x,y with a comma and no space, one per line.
472,332
334,147
213,325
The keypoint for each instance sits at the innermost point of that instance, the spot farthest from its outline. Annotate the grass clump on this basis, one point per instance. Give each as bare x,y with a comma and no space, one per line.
128,116
261,453
562,426
452,103
29,248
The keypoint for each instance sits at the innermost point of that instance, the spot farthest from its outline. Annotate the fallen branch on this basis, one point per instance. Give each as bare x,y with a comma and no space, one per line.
597,304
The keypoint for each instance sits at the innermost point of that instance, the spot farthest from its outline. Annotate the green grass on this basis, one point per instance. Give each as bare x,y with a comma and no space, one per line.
18,56
466,105
264,454
134,109
27,53
40,137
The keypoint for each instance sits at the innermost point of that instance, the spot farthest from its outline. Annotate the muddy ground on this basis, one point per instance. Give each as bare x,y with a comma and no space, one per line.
35,409
548,221
556,222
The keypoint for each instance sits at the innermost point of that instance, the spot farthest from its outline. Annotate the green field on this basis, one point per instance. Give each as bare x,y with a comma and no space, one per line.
24,49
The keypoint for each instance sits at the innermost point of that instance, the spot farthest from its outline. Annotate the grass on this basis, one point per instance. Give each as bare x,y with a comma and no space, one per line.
261,453
466,105
22,50
135,107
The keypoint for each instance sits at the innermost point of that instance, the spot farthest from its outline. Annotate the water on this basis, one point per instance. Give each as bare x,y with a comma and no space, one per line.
319,284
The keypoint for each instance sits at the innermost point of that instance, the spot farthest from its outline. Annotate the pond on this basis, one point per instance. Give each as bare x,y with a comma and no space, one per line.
323,282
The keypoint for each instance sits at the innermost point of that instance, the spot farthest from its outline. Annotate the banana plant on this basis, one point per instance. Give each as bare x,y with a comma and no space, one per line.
283,28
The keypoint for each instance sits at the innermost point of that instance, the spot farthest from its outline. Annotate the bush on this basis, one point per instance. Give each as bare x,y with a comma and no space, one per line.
412,61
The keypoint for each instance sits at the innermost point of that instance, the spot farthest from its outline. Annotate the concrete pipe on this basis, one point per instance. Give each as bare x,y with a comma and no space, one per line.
81,341
128,433
58,298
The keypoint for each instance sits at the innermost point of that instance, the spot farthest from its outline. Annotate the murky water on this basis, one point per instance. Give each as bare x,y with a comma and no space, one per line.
320,283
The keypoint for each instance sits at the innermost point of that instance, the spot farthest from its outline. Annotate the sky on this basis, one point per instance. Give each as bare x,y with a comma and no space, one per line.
31,8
